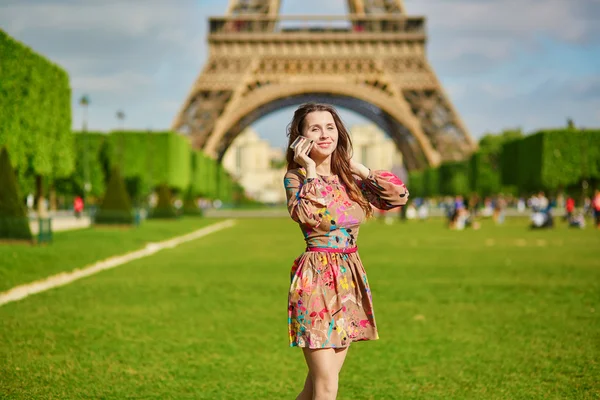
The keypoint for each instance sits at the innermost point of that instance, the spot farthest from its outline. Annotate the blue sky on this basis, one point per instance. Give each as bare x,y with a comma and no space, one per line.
504,63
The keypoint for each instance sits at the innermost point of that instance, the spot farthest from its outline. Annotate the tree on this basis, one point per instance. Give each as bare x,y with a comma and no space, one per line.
14,223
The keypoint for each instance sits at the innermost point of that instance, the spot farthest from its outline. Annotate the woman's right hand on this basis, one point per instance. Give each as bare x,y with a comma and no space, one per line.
301,154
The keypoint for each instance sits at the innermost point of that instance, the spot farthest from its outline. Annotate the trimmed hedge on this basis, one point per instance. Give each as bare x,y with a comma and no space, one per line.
91,148
154,157
190,207
14,223
552,159
203,180
431,181
416,183
225,185
149,160
35,112
509,164
454,178
483,177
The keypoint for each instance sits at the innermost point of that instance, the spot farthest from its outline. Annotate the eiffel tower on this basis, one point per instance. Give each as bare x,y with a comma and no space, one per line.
372,61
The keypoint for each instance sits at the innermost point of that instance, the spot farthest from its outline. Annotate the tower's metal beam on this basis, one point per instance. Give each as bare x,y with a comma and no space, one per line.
356,7
244,7
366,7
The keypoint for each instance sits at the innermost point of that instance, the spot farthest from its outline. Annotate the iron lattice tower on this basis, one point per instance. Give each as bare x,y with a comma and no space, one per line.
372,61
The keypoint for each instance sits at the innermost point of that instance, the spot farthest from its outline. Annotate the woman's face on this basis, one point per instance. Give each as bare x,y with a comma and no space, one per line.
320,127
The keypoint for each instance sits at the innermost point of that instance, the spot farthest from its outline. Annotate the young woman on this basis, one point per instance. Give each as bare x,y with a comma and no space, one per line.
329,195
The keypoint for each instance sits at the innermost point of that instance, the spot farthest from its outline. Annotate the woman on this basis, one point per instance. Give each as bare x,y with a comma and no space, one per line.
330,302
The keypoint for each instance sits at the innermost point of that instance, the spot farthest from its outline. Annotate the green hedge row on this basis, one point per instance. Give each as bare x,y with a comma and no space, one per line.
552,159
92,160
35,113
148,160
454,178
513,163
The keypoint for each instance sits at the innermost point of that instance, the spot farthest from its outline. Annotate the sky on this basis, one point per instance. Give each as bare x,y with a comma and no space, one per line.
505,64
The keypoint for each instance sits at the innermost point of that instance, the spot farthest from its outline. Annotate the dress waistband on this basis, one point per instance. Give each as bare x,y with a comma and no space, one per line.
348,250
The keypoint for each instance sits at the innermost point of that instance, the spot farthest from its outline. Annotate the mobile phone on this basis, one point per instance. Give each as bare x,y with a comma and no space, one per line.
296,142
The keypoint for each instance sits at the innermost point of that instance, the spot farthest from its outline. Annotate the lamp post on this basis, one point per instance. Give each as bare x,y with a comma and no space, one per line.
121,117
85,102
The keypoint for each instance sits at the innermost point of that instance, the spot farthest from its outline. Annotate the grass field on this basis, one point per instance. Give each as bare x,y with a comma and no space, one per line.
24,263
500,313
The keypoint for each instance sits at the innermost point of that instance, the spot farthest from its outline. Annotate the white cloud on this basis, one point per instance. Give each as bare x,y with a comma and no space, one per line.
145,54
127,18
563,19
486,32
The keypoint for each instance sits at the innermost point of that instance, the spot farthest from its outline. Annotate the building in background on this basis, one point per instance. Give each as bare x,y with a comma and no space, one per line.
257,166
373,148
260,168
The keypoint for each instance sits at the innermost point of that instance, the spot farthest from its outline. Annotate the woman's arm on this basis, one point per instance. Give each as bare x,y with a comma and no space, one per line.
305,198
383,189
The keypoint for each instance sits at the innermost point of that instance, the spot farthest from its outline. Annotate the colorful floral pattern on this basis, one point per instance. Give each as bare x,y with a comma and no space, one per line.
330,302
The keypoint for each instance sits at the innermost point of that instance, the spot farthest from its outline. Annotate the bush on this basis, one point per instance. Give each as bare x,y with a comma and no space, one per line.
116,205
14,223
164,208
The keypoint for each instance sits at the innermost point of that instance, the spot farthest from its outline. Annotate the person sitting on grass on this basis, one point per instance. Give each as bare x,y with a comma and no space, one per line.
577,220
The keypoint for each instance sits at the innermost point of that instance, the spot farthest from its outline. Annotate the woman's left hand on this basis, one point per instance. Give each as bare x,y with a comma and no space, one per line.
359,169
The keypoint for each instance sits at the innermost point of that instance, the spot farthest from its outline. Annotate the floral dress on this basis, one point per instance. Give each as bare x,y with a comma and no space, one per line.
330,302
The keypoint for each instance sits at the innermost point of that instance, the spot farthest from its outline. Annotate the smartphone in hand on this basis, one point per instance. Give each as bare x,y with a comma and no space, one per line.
296,142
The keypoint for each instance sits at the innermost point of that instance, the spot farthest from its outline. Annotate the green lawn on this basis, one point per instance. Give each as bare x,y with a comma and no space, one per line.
500,313
24,263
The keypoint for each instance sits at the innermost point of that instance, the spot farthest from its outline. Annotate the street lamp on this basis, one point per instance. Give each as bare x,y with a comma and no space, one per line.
121,117
85,102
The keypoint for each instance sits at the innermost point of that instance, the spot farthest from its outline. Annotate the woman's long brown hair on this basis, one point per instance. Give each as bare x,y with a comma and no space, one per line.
340,159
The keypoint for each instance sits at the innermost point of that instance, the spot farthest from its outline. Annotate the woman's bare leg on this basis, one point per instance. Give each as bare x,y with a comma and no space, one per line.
324,366
307,391
340,357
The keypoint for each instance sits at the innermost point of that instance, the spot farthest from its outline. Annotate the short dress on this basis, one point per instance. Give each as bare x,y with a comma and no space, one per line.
330,303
